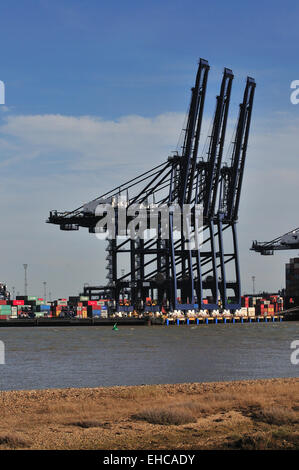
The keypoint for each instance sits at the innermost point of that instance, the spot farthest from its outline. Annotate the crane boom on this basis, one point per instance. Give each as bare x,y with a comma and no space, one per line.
190,147
288,241
216,143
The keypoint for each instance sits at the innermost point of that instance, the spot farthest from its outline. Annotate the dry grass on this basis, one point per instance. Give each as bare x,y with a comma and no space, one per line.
276,415
13,441
85,423
166,416
264,440
240,415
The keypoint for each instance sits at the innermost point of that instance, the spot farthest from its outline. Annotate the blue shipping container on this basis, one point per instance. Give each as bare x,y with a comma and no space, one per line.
96,313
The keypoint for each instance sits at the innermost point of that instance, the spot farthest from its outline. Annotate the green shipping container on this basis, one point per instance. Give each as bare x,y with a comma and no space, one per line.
30,297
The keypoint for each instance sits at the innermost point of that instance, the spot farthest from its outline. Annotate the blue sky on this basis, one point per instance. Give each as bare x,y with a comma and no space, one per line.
119,74
136,57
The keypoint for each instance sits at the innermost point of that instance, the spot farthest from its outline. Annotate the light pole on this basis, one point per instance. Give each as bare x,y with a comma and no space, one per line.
253,284
25,278
13,293
45,290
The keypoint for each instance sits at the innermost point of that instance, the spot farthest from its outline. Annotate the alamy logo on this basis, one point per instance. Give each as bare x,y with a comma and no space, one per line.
295,94
2,353
152,222
2,92
295,354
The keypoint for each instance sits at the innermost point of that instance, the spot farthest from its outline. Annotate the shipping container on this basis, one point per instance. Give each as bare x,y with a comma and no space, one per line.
96,313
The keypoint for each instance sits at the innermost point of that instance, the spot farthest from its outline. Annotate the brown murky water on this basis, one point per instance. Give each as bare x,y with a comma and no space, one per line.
97,356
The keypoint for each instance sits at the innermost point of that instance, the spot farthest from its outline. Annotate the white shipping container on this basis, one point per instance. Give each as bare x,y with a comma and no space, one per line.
251,311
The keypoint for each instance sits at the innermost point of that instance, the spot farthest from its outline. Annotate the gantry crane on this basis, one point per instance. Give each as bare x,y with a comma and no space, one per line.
288,241
163,268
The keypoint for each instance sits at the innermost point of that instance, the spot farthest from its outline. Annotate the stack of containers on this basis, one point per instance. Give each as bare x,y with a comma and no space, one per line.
5,310
57,306
245,301
268,306
34,304
251,311
45,309
19,304
84,311
57,310
292,280
94,308
14,311
280,304
270,309
260,307
104,308
79,309
244,311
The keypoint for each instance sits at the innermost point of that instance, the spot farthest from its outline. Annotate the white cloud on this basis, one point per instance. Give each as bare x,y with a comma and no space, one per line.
92,142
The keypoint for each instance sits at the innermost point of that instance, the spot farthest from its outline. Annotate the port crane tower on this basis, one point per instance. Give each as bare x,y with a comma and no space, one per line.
160,268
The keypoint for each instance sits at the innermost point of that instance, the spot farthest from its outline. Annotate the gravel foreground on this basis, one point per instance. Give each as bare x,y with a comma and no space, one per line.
253,414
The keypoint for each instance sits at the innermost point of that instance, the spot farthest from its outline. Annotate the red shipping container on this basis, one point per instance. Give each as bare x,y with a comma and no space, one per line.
92,302
205,301
18,302
3,302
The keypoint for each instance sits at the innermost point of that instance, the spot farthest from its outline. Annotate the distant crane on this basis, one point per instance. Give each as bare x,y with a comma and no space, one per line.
288,241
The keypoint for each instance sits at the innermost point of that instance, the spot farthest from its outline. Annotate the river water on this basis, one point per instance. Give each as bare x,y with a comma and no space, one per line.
49,357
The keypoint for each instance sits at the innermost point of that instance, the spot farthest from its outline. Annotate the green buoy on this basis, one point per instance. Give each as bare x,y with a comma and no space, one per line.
115,327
